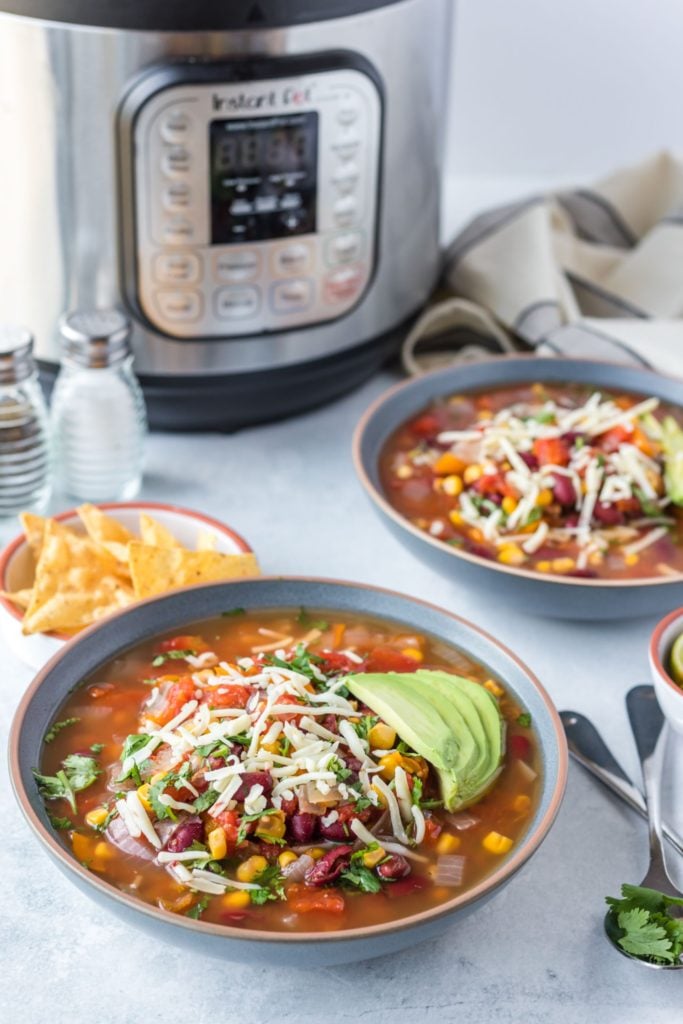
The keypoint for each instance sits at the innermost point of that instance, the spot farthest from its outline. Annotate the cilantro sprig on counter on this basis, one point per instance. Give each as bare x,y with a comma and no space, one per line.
646,929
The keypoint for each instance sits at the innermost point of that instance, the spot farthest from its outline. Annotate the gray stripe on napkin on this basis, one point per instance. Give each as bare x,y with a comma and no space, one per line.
484,225
538,320
579,341
596,220
595,301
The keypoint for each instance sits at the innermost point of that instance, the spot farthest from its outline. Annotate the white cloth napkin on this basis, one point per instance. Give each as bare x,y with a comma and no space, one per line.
592,273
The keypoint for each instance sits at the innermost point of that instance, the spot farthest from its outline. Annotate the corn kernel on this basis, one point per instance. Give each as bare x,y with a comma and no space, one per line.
472,473
448,463
103,851
389,763
286,857
236,900
596,558
96,817
382,737
476,535
157,777
456,518
413,652
316,852
447,843
452,485
381,799
83,847
492,686
543,566
143,796
545,497
630,559
271,826
496,843
563,564
508,505
521,803
511,554
404,472
484,414
415,766
272,748
218,846
249,869
371,858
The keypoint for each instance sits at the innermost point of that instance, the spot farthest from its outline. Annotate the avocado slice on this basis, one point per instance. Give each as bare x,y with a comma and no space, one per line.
672,443
466,745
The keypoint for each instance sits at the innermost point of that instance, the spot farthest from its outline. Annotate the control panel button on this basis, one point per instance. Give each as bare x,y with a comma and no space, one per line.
345,178
178,231
176,196
236,264
236,303
180,306
293,259
346,146
292,296
177,268
345,211
344,248
175,126
347,113
176,161
343,285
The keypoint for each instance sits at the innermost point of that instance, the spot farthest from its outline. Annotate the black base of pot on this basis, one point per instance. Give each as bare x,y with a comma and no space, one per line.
232,401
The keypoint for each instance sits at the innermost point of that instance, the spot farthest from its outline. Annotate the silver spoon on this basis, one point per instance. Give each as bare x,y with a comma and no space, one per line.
646,724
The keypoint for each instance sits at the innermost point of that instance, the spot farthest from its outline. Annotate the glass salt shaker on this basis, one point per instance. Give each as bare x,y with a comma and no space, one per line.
24,446
98,413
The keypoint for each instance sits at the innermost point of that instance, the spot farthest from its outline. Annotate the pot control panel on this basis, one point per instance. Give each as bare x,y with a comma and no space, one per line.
255,201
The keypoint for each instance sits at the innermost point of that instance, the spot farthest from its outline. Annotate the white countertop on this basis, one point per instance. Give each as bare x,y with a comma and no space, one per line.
535,953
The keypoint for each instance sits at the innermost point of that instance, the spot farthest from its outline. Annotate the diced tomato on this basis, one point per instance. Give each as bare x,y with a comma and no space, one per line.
186,642
494,483
629,506
519,746
178,695
425,426
612,439
229,822
333,663
235,916
432,829
289,807
405,886
302,900
228,696
551,451
387,659
289,698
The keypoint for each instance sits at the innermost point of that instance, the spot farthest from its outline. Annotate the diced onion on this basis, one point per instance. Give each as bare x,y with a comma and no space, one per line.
450,869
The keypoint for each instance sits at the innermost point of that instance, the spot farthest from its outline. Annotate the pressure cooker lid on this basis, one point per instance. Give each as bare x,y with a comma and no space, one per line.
189,15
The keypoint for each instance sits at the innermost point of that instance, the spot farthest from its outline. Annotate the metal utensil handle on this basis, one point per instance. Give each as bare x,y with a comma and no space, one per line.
588,749
646,724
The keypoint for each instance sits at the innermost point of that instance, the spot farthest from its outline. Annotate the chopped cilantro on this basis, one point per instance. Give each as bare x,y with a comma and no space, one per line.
110,816
544,416
339,768
97,748
243,832
134,742
208,748
533,516
362,802
60,823
645,928
416,791
302,662
57,727
649,507
77,773
285,746
233,611
364,726
359,877
524,719
198,908
206,799
271,886
601,460
161,810
81,769
172,656
579,442
304,619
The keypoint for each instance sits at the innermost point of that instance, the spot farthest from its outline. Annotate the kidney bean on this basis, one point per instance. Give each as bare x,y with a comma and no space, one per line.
405,886
199,782
393,868
250,779
530,459
329,867
478,549
336,831
572,436
184,835
583,574
572,521
563,490
302,827
608,514
214,763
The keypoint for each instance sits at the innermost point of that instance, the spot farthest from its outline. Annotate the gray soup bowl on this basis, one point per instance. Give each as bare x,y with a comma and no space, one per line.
562,597
98,645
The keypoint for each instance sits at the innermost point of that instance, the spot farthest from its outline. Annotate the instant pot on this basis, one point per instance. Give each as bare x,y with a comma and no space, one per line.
256,184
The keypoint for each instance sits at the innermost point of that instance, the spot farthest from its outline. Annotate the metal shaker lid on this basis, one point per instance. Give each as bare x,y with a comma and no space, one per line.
16,353
95,338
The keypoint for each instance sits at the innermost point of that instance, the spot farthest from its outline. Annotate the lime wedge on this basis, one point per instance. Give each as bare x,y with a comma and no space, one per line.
676,660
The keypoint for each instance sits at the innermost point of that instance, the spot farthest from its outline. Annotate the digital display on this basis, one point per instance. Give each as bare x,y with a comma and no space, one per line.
263,177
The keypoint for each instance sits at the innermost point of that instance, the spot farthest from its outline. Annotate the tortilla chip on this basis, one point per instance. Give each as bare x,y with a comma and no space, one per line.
22,598
75,583
34,531
207,540
156,535
157,570
102,528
